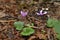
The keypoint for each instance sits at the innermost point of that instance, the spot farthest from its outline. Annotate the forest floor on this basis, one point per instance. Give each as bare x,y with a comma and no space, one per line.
9,13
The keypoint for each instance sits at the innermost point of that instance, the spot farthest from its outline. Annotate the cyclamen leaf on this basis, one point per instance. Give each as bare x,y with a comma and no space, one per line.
57,29
56,24
55,21
27,31
19,25
51,22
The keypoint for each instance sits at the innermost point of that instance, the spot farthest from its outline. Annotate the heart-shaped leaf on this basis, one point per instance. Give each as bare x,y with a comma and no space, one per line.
51,22
56,24
57,28
19,25
27,31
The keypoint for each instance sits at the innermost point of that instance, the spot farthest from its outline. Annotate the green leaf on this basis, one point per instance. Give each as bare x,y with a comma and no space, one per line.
19,25
51,22
55,21
27,31
57,29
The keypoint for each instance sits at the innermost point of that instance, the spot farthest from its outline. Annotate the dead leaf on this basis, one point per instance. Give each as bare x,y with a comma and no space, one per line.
2,14
32,37
40,36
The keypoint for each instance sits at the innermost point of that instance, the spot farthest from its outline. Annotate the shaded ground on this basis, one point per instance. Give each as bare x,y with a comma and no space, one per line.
9,13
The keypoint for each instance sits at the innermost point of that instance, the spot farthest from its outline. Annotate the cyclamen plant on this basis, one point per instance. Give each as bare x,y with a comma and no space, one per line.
41,12
56,24
25,31
23,13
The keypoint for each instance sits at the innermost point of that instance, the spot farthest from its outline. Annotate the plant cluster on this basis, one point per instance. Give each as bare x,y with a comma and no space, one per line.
56,24
26,31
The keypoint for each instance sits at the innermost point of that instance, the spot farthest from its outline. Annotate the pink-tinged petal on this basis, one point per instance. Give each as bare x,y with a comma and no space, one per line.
45,12
41,12
24,13
38,13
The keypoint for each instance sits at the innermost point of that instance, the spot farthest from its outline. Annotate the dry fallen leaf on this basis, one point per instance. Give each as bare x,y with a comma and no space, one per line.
40,36
2,14
32,37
